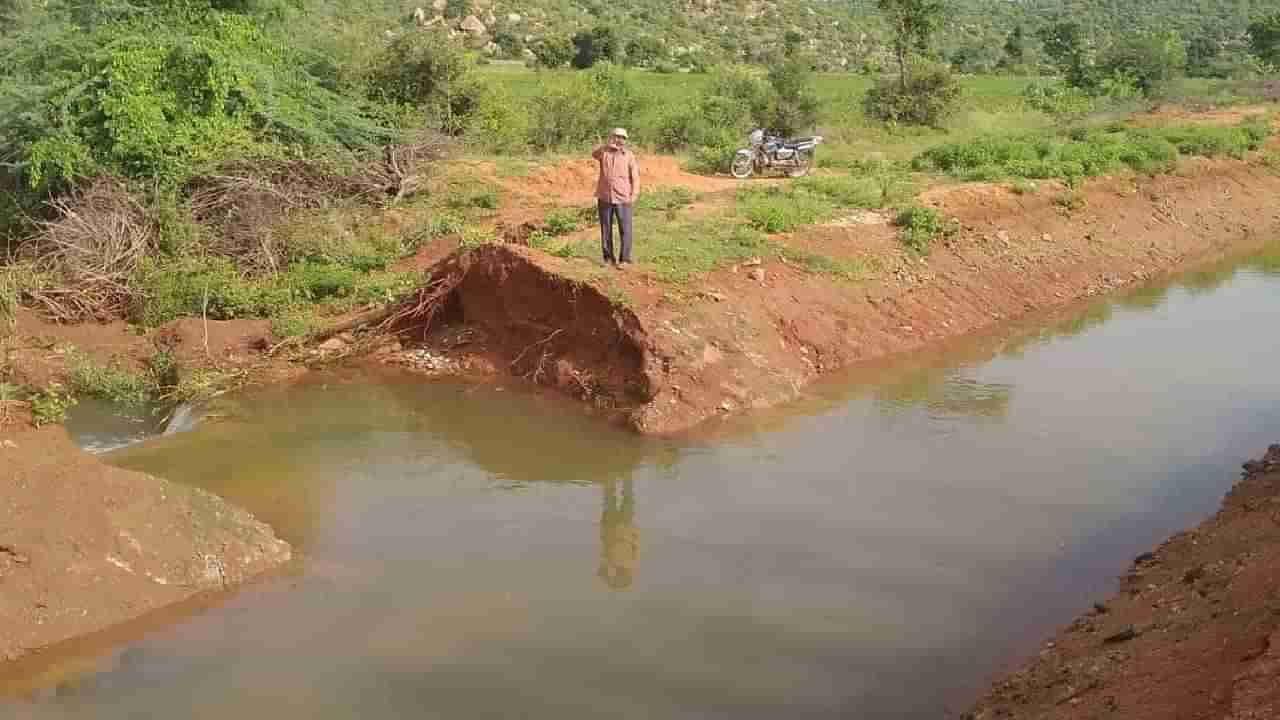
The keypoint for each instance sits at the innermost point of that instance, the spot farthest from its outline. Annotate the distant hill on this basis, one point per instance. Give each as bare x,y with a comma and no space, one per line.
841,33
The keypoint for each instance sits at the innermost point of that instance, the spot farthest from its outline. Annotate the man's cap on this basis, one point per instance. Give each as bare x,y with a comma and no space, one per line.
618,132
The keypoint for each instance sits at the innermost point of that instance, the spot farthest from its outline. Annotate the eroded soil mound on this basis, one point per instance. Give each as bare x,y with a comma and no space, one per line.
1193,633
497,308
84,546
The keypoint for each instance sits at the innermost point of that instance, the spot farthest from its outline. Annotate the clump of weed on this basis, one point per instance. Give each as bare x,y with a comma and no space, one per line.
295,322
107,382
440,225
49,406
1070,201
473,237
1023,187
666,199
541,240
918,227
775,209
560,222
818,264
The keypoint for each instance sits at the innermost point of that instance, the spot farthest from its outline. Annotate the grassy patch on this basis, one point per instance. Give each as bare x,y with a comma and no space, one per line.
110,383
1087,152
560,221
666,199
824,265
918,227
475,236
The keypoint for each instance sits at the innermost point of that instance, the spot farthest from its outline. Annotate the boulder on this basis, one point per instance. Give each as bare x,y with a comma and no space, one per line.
420,17
472,25
514,18
489,19
439,5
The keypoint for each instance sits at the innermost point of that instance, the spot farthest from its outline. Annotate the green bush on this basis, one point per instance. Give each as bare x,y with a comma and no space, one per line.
50,405
1058,99
113,384
560,222
1147,61
1085,152
918,227
425,70
793,105
498,123
929,96
158,91
575,111
190,286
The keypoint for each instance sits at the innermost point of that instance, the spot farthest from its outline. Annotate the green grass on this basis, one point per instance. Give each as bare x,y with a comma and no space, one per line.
1088,152
666,199
824,264
113,384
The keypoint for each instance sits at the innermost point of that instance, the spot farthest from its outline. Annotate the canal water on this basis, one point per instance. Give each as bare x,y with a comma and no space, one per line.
876,550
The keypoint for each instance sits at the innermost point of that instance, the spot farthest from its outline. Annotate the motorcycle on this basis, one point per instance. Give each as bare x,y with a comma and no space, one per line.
769,151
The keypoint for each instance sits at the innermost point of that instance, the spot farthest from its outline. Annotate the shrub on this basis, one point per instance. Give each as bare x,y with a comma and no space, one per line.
425,70
918,227
930,95
600,44
109,383
553,51
49,406
573,112
1058,99
560,222
498,123
161,92
792,104
1146,61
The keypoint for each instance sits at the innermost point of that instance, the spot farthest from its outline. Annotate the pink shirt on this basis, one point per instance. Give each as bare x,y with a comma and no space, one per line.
619,181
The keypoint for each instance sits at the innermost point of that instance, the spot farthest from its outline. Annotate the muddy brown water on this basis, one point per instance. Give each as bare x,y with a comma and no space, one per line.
877,550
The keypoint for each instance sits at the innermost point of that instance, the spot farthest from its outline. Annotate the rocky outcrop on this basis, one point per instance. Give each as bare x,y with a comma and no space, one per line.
472,25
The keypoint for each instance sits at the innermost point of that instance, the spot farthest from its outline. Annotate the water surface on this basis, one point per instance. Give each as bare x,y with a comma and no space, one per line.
874,551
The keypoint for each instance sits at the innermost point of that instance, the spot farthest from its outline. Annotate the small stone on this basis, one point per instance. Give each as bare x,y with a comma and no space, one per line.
1046,237
753,262
1124,635
332,345
757,274
9,444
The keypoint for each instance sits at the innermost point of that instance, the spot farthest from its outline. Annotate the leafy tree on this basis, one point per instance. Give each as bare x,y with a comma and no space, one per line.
1148,60
553,51
793,105
510,43
424,70
912,24
929,98
644,51
1203,51
600,44
1068,47
1264,39
924,93
455,9
1015,47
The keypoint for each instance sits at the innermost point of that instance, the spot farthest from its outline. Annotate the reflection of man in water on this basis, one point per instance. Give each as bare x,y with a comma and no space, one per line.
619,538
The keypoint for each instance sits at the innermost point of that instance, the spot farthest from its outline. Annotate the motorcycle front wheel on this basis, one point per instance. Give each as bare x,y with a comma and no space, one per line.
743,165
804,163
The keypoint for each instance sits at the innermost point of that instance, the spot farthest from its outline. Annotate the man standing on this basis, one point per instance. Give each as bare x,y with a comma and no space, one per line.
616,190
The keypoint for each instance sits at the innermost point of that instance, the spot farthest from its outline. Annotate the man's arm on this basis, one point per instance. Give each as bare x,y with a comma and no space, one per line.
634,170
598,152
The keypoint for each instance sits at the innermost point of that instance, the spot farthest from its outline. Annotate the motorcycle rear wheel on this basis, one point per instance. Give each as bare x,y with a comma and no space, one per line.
804,163
743,165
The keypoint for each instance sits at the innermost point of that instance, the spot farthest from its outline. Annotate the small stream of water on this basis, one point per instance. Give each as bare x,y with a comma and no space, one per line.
877,550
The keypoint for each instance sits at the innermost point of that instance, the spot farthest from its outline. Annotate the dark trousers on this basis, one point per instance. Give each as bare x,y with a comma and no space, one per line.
609,211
